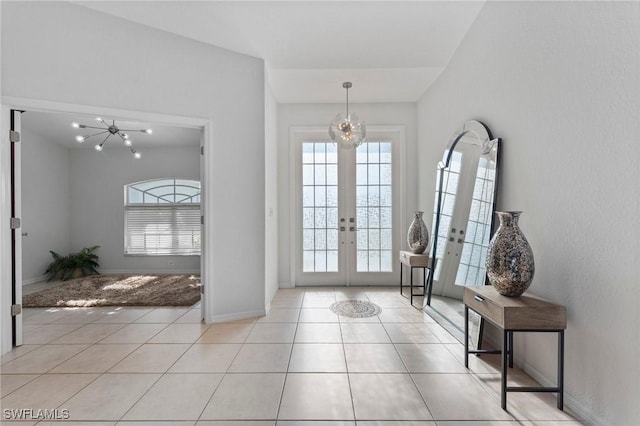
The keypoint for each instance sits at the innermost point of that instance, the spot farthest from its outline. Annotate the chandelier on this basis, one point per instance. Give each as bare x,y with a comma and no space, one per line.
110,130
348,132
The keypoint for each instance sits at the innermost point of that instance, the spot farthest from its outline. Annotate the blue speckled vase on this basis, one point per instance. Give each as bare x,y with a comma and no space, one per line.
418,235
510,265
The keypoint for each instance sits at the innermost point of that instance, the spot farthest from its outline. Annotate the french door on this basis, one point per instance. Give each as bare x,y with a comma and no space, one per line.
346,208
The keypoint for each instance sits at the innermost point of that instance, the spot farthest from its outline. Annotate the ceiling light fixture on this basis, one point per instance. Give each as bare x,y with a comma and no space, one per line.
347,132
110,129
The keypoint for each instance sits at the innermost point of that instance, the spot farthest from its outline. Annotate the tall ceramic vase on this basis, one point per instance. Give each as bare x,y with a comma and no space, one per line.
418,235
510,265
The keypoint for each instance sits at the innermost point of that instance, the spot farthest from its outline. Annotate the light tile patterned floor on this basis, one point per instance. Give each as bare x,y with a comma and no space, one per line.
299,365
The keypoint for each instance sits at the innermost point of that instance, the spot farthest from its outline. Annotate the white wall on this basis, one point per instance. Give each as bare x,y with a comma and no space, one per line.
559,82
97,200
55,51
314,115
5,215
45,202
271,196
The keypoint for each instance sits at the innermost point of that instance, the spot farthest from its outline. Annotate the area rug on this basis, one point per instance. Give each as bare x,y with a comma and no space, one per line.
119,290
355,308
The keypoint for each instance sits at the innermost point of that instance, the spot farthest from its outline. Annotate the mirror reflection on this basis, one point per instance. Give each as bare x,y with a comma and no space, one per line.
462,220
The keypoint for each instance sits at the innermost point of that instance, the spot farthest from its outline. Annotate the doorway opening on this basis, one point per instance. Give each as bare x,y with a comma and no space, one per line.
71,196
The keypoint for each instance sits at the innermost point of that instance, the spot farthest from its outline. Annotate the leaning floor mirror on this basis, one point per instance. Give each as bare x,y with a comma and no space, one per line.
463,222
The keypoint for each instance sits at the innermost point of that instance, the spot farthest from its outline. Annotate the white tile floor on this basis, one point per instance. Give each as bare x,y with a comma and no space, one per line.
301,364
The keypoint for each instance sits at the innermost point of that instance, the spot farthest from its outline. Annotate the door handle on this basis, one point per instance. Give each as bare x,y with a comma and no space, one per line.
352,228
342,228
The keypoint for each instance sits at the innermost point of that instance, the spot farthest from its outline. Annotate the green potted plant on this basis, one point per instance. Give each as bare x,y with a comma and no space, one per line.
73,265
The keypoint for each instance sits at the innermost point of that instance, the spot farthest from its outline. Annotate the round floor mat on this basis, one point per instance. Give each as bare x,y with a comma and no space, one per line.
355,308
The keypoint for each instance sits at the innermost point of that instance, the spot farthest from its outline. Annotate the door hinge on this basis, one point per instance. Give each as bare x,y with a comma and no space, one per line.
202,150
16,310
14,136
15,223
201,220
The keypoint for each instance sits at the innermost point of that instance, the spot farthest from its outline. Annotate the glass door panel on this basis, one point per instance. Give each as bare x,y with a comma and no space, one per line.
320,207
374,207
472,270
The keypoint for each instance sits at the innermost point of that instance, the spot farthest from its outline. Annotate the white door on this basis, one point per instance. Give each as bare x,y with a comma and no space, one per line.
16,234
347,221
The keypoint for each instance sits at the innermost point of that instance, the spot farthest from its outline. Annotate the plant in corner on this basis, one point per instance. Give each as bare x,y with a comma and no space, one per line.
73,265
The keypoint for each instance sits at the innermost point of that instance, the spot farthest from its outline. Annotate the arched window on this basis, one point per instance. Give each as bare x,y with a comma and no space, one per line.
162,217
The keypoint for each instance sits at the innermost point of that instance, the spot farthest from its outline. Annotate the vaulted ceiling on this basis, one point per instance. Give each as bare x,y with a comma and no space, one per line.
391,50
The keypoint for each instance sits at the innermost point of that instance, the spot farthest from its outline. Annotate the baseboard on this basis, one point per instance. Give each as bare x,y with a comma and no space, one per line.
237,316
155,271
286,285
34,280
582,412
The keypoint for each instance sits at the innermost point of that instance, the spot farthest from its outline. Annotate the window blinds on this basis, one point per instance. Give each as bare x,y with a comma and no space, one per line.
162,230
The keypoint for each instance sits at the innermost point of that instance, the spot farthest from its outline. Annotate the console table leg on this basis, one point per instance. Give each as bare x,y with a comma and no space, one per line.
560,369
466,337
424,282
505,356
511,349
429,285
411,285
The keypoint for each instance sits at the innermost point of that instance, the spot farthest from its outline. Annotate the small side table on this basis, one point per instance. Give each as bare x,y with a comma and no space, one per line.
516,314
413,261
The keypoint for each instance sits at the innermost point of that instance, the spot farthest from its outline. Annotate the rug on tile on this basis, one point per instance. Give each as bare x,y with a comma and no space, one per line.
119,290
355,308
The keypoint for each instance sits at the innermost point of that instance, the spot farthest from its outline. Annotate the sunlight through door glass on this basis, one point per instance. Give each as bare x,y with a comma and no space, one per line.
373,207
319,207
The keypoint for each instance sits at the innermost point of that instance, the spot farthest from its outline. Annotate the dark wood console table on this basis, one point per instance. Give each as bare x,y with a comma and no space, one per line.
516,314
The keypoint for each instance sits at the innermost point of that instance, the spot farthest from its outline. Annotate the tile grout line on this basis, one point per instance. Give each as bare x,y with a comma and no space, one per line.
224,375
286,373
99,374
161,375
409,373
407,369
89,345
346,366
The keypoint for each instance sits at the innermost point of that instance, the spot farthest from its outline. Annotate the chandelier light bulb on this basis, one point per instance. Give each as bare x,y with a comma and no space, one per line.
148,131
127,142
137,155
75,125
98,147
80,139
